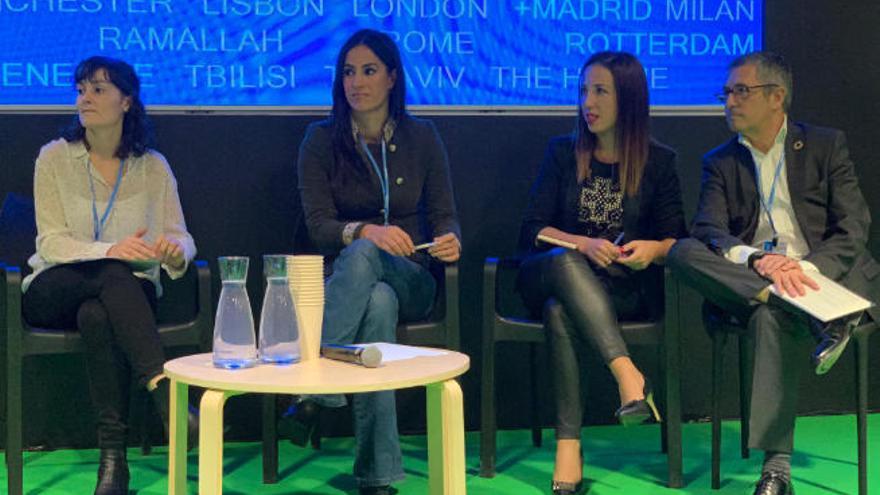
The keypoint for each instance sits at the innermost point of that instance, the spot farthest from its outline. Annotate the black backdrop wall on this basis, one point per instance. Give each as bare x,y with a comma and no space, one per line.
237,184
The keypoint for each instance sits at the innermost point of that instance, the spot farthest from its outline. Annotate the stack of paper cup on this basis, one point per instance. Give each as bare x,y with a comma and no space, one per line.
305,276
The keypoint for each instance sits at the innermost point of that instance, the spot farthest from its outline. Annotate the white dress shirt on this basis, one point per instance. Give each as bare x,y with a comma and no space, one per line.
147,197
787,230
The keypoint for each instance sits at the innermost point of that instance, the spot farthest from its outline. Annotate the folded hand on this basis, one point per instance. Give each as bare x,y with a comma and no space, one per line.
391,239
169,252
600,251
446,248
638,255
133,248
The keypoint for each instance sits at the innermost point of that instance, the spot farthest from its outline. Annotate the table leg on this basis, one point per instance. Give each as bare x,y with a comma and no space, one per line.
446,462
211,441
177,433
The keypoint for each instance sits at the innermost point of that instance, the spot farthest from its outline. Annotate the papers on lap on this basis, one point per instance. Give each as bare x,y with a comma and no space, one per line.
830,302
399,352
557,242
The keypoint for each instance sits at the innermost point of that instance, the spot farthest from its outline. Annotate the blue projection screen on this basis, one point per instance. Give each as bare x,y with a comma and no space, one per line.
471,54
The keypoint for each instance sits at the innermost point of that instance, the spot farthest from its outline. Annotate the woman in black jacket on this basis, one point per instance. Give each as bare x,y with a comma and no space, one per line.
377,197
610,195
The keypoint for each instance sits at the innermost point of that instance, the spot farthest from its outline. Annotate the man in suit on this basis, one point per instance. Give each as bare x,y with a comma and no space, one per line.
778,202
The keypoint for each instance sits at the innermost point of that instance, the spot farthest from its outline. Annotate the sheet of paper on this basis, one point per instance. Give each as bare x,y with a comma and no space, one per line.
830,302
399,352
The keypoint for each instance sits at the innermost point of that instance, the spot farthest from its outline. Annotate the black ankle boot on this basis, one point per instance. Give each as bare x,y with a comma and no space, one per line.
162,398
112,473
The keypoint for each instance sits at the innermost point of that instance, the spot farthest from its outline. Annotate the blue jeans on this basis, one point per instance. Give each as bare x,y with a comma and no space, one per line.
365,296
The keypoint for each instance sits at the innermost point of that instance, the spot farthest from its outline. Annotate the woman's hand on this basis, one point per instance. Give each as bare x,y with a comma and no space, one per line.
169,252
639,254
391,239
446,248
133,248
599,251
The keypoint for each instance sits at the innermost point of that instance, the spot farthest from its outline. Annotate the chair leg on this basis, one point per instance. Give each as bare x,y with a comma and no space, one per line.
143,403
746,369
672,424
488,425
316,435
270,439
661,392
671,366
536,413
861,350
718,341
14,461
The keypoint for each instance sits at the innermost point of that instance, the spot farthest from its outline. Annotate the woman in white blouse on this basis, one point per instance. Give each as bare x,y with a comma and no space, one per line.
108,218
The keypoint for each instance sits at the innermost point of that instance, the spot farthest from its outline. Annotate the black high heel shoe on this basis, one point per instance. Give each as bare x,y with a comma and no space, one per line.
636,412
299,421
567,487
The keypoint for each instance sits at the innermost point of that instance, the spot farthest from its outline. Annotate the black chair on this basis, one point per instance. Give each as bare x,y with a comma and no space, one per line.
498,297
184,315
721,325
441,329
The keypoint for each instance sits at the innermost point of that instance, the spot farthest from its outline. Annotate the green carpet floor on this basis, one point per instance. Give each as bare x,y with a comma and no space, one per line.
618,461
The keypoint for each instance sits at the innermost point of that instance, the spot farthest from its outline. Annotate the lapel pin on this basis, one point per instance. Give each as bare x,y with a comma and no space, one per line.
392,147
399,181
798,145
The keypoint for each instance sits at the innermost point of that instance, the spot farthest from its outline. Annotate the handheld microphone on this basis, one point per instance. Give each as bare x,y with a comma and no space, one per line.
369,357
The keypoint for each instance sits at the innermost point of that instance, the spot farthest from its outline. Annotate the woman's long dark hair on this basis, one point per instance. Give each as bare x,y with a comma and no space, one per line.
386,50
633,133
137,133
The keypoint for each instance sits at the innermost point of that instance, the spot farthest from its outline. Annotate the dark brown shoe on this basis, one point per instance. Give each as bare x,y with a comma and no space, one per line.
773,483
299,421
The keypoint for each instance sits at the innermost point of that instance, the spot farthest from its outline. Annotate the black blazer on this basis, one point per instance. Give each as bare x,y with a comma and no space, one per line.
654,213
421,202
825,195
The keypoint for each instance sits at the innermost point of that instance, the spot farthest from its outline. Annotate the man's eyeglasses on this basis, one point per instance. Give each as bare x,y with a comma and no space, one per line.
740,91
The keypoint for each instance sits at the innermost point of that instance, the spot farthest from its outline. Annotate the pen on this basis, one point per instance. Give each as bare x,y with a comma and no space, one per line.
617,242
425,245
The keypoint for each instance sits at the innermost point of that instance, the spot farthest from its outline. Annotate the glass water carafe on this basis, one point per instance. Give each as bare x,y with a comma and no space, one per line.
234,340
279,333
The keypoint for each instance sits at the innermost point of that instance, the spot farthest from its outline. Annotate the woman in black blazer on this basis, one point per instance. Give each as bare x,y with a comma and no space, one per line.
378,200
612,196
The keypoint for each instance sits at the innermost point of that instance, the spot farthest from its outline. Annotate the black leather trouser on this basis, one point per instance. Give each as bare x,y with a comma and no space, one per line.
114,312
579,304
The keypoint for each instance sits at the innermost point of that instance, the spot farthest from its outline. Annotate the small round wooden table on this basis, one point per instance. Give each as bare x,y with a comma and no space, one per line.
446,460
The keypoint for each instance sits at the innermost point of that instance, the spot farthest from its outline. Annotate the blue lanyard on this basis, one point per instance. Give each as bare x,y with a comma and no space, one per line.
99,224
383,174
768,203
